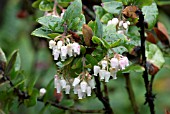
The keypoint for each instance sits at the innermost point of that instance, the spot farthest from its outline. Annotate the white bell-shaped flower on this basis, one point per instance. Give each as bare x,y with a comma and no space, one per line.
104,64
75,89
113,73
128,22
125,25
59,44
91,82
120,32
107,76
76,48
115,21
56,80
58,87
120,23
102,74
76,81
114,62
70,50
109,22
96,70
88,91
42,92
52,43
123,62
63,53
63,83
83,86
56,52
67,89
80,94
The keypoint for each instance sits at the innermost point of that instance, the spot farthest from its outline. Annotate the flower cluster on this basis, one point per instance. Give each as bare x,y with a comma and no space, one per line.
122,25
110,67
59,49
81,87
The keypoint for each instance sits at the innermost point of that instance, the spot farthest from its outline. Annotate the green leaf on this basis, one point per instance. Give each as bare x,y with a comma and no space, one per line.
113,7
17,65
53,35
150,14
48,20
73,25
99,28
106,17
77,63
97,40
42,32
154,55
3,60
73,11
90,59
142,3
33,99
11,62
62,64
68,103
46,6
99,53
36,4
133,68
99,11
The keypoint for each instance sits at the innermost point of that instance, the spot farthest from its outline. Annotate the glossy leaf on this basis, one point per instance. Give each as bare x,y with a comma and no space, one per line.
99,11
42,32
150,14
106,17
91,60
68,102
97,40
113,7
77,63
154,55
73,11
133,68
142,3
46,6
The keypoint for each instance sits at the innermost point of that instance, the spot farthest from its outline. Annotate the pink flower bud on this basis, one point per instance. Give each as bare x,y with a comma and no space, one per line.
76,81
107,76
83,86
123,62
67,89
52,43
96,70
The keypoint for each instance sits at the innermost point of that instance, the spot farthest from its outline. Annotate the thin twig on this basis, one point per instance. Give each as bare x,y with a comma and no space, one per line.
131,94
69,108
23,95
148,96
98,92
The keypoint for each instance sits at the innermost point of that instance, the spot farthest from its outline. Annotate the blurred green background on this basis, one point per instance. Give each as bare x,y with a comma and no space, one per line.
36,60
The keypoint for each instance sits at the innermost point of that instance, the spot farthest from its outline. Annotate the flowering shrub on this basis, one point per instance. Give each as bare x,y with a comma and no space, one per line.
88,55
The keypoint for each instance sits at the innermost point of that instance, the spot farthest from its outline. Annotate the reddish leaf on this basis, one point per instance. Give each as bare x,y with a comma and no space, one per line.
150,37
130,11
87,33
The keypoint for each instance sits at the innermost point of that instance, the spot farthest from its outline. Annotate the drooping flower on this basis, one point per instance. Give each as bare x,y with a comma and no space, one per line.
120,23
114,62
114,21
88,91
104,64
76,82
102,74
113,73
42,92
76,89
59,44
67,89
107,76
83,86
76,48
80,94
63,53
52,43
123,62
125,25
91,82
56,52
63,83
96,70
58,87
70,50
